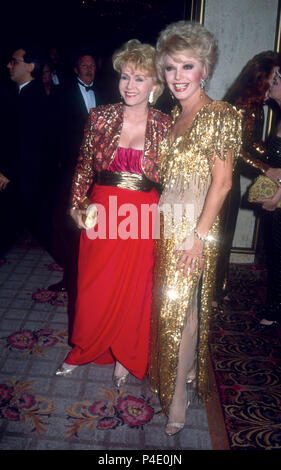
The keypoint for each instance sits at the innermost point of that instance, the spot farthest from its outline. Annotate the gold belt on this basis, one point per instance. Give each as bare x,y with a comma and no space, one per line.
125,180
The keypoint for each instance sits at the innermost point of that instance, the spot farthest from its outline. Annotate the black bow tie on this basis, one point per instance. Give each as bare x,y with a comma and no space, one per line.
87,88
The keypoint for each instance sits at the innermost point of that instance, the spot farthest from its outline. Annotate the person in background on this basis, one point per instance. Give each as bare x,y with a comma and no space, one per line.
60,73
77,97
27,150
47,78
248,93
270,314
6,159
52,149
195,169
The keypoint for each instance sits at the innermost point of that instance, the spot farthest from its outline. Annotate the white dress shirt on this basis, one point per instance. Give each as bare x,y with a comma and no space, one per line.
23,85
88,96
55,79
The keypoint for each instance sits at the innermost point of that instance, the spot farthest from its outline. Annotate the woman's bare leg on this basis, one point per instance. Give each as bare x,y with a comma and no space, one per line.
186,372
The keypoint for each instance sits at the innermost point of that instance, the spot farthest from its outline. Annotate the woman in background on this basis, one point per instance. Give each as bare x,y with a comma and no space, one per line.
249,93
271,312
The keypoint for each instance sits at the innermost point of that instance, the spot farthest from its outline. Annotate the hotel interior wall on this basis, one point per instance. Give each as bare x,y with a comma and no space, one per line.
243,28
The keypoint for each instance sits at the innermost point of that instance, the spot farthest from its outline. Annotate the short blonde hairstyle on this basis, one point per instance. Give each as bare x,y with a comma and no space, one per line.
186,37
142,56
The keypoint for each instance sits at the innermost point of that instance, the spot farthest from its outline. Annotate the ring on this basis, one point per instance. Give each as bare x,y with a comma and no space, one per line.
193,260
278,180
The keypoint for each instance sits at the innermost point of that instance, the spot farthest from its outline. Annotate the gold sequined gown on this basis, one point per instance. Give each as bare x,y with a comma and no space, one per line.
185,173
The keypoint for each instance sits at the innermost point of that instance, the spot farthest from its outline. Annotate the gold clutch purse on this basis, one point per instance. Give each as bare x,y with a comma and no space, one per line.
263,187
91,216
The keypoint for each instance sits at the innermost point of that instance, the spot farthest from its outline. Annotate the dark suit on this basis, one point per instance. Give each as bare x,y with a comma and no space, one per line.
26,156
73,116
32,140
7,133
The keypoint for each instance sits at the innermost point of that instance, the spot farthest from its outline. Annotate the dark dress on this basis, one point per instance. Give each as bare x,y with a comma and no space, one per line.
272,308
252,161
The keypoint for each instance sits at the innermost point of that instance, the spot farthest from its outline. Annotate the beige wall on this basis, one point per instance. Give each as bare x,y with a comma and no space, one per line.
243,28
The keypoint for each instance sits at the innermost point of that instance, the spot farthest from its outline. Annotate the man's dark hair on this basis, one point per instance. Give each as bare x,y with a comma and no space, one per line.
32,55
82,53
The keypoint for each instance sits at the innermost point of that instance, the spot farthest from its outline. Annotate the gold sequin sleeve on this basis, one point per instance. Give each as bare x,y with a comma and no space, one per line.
224,124
84,171
254,148
216,129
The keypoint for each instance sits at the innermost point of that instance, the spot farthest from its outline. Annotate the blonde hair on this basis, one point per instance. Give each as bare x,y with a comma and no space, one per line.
141,56
182,37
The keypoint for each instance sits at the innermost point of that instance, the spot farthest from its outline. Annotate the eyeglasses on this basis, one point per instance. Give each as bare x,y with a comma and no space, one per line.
88,66
14,61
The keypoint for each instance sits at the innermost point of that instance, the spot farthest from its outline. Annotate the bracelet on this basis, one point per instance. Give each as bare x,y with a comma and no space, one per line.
203,239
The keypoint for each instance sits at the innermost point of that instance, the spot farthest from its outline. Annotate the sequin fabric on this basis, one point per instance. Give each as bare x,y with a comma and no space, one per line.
185,172
100,143
254,151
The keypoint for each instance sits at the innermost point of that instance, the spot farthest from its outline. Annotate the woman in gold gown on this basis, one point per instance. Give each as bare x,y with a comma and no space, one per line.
196,164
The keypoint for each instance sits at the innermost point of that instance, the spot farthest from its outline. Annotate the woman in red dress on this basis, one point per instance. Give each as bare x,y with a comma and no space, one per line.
119,152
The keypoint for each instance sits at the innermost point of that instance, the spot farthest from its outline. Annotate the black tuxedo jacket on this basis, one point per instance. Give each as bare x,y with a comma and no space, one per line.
28,147
7,131
73,117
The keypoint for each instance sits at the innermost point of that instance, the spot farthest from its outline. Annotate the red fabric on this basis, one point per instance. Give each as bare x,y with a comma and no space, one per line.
113,306
127,159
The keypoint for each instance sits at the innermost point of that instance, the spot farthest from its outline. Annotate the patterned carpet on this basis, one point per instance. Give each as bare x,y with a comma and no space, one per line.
247,365
40,411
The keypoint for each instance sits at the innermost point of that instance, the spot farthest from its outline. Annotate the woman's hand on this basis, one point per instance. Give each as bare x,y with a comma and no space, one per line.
77,215
3,182
269,204
275,175
189,257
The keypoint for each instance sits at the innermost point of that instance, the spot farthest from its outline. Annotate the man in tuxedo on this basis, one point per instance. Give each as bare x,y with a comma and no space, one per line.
77,98
26,155
6,187
59,68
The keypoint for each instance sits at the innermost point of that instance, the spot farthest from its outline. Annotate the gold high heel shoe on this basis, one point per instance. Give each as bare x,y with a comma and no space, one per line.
179,426
118,382
65,369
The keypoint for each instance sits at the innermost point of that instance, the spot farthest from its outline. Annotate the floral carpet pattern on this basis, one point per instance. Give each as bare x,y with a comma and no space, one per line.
247,365
34,342
41,411
17,403
114,409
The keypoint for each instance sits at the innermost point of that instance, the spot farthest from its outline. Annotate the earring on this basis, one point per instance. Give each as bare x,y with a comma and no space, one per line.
172,96
202,86
202,83
151,97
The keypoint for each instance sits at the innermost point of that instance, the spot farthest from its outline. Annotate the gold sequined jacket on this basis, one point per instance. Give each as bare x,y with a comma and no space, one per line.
100,142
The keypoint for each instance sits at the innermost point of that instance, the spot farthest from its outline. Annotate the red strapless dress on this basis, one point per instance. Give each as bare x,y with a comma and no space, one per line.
112,318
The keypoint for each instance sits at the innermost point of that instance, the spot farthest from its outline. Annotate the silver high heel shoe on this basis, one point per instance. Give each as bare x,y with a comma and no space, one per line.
65,369
179,426
118,382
